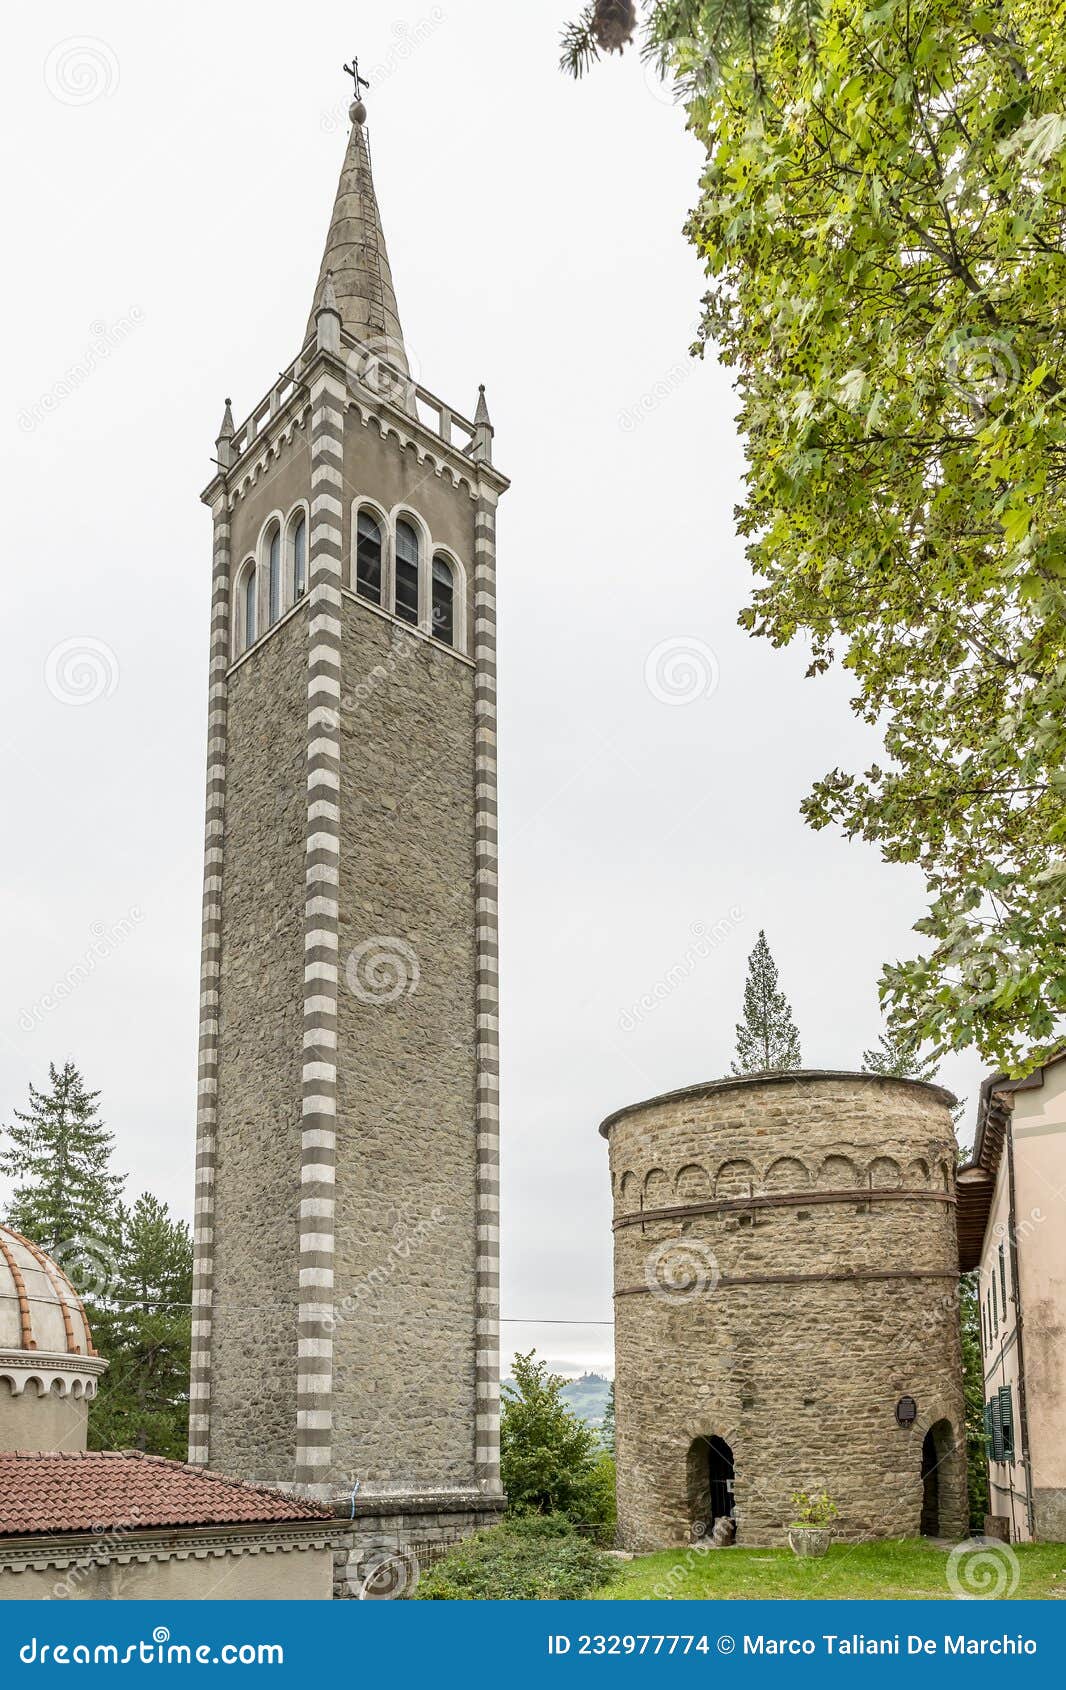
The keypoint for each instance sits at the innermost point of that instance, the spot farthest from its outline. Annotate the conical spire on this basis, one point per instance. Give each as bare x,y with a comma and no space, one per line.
356,257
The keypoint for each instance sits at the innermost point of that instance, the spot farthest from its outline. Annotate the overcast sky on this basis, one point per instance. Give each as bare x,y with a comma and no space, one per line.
173,177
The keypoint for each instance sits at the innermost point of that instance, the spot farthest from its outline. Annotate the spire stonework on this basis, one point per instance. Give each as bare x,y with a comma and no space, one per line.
356,257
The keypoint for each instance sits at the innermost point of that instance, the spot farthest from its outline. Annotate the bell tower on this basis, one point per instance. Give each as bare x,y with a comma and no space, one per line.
346,1320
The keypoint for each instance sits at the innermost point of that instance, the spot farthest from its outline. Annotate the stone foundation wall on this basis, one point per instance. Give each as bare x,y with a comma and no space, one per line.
786,1273
392,1548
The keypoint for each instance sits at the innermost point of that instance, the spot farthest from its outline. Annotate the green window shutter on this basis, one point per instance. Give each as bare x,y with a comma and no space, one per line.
988,1430
997,1430
1006,1420
1003,1279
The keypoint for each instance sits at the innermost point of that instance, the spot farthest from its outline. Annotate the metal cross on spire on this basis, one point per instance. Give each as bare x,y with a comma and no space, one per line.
357,80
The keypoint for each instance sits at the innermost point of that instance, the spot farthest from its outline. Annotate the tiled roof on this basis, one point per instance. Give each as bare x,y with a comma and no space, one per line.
80,1492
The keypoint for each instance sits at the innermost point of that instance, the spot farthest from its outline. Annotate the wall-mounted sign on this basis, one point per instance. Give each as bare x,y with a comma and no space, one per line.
906,1411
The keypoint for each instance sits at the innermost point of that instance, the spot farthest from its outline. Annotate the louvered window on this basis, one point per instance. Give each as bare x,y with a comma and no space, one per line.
1006,1422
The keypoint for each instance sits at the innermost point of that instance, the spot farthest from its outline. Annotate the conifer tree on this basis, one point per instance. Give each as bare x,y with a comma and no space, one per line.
893,1055
58,1153
767,1038
144,1330
607,1423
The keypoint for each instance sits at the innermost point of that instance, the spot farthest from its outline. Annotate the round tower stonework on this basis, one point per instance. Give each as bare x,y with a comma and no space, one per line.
786,1308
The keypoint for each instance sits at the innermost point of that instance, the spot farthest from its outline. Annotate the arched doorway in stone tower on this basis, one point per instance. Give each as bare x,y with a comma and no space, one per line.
710,1483
938,1447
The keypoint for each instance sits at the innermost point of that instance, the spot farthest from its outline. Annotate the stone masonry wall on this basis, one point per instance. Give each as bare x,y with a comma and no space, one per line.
405,1244
807,1283
253,1406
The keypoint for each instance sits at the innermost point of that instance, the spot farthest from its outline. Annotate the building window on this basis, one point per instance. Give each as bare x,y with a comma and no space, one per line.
443,600
369,551
299,558
249,608
1006,1423
274,595
407,560
1003,1279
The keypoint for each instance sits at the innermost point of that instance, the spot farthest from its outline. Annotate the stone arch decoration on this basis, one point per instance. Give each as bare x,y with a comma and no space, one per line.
947,1174
627,1189
885,1173
838,1173
693,1183
917,1172
787,1173
736,1178
657,1191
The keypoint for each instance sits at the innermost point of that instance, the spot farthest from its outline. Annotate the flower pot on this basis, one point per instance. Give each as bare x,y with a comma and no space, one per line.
810,1540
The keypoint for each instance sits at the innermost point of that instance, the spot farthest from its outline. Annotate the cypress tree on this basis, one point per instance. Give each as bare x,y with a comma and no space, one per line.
767,1038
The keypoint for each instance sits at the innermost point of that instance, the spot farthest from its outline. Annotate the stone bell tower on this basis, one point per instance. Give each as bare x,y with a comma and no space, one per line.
345,1337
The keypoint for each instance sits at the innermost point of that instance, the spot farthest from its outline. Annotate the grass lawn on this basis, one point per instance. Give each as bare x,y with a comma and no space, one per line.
908,1567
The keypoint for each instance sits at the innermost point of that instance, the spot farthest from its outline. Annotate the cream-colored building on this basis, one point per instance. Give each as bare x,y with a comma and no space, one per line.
1012,1210
91,1525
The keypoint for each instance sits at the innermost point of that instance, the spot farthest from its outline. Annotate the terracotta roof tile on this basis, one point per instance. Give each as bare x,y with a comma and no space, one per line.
77,1492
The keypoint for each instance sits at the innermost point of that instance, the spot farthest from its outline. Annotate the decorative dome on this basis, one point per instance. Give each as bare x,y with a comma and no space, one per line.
44,1334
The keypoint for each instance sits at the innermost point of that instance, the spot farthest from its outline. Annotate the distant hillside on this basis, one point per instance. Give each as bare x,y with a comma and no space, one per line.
587,1396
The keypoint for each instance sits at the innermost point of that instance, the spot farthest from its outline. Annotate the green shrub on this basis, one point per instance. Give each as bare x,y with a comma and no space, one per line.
596,1503
547,1455
537,1558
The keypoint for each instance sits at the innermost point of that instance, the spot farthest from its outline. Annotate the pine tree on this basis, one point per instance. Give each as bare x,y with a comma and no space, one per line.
767,1039
607,1423
145,1330
895,1056
59,1155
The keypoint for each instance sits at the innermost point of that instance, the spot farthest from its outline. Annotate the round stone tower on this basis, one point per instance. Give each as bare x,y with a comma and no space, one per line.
786,1310
48,1366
